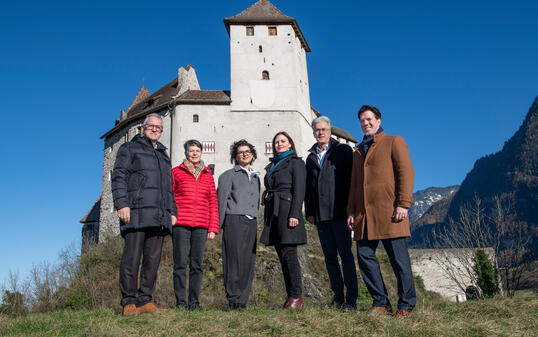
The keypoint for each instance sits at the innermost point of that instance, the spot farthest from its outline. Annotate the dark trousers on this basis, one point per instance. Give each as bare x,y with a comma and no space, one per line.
335,239
401,265
238,257
287,254
188,242
147,243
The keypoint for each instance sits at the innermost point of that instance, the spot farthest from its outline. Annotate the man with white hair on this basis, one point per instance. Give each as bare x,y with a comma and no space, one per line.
142,192
327,186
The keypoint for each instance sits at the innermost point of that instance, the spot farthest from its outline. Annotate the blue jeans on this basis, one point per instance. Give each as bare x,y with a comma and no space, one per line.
335,239
401,265
188,242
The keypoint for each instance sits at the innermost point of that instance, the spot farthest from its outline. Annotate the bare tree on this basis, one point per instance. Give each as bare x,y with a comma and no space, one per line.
480,227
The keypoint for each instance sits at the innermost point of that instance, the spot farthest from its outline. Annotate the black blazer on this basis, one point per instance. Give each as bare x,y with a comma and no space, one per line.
283,199
327,187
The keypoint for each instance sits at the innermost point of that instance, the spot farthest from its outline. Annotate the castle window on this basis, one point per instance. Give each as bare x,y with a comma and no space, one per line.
260,49
208,147
268,147
195,118
250,31
265,75
272,31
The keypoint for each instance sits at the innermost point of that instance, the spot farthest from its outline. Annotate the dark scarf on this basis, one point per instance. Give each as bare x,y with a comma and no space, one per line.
195,170
367,141
277,159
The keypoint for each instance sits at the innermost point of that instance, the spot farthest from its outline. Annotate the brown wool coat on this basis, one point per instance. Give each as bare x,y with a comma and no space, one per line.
379,183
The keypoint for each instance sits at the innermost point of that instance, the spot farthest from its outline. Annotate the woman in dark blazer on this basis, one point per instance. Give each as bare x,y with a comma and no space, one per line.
284,225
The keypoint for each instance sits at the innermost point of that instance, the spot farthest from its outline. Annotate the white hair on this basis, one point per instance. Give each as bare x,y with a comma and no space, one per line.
321,119
152,115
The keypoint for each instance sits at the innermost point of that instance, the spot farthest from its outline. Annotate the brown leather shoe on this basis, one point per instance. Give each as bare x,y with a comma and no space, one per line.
130,310
149,307
385,309
402,313
294,303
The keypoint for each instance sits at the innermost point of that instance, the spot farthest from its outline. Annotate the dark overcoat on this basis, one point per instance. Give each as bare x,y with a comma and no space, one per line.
142,181
327,187
283,199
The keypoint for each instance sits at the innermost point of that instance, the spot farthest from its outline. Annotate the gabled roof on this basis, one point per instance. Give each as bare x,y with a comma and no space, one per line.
264,12
155,102
94,212
143,93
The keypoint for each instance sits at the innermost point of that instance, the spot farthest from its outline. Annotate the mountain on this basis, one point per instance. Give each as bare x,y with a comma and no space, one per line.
424,199
511,174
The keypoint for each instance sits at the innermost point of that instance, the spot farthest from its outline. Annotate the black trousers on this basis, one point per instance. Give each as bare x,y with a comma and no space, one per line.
147,243
287,254
401,265
188,242
335,239
238,257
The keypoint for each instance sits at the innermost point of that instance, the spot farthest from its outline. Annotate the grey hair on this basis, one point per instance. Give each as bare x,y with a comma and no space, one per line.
321,119
152,115
189,143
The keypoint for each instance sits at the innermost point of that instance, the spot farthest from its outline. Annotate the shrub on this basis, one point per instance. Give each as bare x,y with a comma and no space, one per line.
13,304
487,274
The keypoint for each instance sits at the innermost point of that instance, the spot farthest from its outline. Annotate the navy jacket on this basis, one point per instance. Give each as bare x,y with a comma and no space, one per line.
142,180
327,187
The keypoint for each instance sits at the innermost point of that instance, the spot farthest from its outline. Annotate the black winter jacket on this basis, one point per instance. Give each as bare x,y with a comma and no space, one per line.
142,180
327,188
283,199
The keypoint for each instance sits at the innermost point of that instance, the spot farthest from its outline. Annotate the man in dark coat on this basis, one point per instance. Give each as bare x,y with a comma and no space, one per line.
381,192
327,186
142,192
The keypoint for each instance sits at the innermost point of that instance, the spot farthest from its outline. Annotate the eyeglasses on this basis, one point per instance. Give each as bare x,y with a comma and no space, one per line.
153,126
244,153
321,130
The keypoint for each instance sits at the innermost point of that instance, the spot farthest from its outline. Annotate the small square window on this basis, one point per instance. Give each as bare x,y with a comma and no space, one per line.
268,147
195,118
272,31
250,31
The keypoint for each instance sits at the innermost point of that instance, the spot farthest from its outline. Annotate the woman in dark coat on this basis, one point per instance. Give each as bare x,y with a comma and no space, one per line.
284,225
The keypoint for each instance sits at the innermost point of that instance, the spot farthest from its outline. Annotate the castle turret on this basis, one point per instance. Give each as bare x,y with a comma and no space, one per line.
268,61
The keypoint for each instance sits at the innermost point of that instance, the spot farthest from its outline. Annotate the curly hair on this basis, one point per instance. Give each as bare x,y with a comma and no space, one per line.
234,150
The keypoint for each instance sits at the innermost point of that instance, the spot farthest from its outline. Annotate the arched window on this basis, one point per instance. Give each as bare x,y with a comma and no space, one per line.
265,75
260,49
195,118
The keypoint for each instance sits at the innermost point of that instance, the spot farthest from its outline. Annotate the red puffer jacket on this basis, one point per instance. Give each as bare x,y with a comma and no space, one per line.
196,199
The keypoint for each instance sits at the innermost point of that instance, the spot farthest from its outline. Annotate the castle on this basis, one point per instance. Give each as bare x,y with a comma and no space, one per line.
269,93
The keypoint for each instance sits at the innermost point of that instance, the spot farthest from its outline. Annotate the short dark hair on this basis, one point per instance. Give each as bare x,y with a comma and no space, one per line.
189,143
236,145
285,134
371,108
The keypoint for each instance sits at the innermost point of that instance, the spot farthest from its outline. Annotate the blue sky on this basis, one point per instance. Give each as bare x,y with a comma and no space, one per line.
455,78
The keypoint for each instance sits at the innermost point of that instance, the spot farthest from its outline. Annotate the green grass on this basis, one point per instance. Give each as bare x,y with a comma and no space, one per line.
490,317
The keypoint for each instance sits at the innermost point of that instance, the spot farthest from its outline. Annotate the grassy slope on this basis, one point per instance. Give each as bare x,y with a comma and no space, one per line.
493,317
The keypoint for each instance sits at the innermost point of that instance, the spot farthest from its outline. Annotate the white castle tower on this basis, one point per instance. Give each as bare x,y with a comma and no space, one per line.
268,61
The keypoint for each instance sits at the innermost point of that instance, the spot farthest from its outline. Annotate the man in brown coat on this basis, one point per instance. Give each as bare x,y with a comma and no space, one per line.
381,192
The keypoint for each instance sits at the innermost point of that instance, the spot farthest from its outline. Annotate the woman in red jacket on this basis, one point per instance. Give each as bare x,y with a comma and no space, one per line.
198,220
